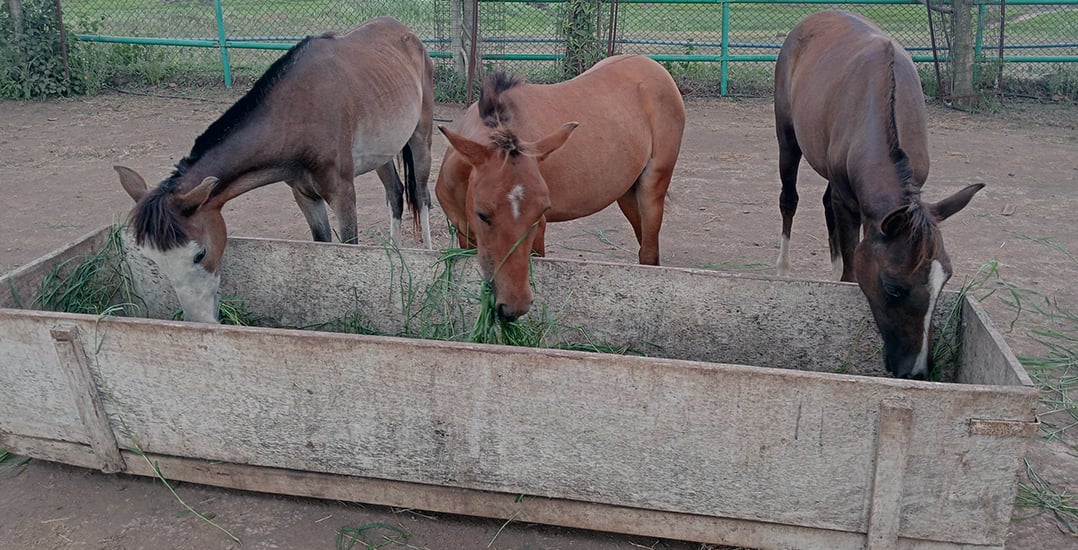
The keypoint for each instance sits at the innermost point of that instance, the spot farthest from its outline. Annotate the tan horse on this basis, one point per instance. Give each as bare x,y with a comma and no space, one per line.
328,110
848,98
507,173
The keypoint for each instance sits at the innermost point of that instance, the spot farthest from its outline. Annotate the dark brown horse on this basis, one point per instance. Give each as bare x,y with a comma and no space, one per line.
328,110
507,173
848,98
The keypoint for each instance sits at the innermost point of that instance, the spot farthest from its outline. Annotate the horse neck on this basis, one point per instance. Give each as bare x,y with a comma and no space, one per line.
239,162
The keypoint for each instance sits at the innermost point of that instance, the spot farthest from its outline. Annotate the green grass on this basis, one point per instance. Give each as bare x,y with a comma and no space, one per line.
1054,369
695,24
96,284
371,536
1041,497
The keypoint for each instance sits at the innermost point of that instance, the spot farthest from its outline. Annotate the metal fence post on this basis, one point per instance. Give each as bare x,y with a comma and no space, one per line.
222,42
724,65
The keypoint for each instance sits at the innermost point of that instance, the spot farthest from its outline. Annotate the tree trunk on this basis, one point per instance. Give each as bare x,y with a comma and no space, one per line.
16,19
461,34
962,91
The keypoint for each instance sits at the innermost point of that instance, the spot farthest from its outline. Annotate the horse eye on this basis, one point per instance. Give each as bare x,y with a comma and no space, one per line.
483,218
200,256
894,291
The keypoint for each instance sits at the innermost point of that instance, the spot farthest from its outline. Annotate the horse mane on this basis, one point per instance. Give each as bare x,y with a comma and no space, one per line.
152,219
240,112
923,230
496,114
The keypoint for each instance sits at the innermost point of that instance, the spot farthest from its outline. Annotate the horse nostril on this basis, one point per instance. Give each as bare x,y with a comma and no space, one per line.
505,315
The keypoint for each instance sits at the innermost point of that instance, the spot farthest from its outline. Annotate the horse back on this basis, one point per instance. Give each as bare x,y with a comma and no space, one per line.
365,91
631,113
833,92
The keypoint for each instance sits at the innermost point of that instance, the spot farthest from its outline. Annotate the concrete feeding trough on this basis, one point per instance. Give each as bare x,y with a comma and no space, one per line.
758,416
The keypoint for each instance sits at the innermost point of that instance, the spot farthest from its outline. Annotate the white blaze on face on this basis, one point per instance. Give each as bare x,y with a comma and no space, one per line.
936,278
195,287
515,196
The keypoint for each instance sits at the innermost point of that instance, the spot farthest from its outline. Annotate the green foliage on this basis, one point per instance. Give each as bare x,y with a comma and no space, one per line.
92,284
31,61
580,27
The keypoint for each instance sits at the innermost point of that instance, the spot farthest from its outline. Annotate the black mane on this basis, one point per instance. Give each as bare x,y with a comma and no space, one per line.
239,113
152,220
492,110
495,113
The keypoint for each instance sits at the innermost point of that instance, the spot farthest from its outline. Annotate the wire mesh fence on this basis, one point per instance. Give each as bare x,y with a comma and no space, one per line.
710,46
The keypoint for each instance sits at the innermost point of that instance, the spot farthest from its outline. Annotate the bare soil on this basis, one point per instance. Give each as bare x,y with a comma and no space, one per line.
57,183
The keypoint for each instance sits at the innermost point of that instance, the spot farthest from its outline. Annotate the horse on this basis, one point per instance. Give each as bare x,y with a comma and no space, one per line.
331,108
508,170
848,98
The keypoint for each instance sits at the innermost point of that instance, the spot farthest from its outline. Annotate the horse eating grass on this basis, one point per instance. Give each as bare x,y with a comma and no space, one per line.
330,109
848,99
512,167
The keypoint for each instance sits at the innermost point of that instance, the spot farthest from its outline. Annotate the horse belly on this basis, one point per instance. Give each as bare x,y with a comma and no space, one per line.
375,145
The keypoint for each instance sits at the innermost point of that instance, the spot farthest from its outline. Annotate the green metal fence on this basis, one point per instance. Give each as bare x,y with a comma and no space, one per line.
711,46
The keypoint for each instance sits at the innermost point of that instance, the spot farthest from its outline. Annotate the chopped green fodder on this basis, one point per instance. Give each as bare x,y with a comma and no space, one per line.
99,283
371,536
232,310
1042,497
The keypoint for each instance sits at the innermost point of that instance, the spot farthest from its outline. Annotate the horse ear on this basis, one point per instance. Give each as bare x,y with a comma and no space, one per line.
191,200
895,223
947,207
131,182
542,148
474,153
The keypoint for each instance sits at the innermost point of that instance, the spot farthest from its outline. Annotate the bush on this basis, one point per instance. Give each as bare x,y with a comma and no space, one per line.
32,63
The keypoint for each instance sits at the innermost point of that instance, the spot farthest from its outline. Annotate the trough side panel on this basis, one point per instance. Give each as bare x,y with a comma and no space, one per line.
19,288
371,285
677,313
35,398
707,316
986,358
638,432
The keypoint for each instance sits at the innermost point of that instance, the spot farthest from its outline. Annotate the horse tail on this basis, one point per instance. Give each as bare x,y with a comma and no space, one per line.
411,186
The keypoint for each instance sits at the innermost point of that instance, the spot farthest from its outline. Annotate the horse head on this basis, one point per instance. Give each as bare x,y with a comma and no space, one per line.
507,200
184,234
901,266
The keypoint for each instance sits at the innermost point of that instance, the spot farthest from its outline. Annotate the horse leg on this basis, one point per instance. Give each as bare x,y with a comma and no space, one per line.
789,159
314,210
832,235
650,197
419,144
846,236
394,199
341,196
631,210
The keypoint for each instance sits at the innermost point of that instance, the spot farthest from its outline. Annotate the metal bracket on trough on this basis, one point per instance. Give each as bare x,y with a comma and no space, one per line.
1003,428
87,399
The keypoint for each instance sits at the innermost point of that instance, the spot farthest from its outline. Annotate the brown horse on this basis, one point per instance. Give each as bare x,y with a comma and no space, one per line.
330,109
848,98
507,173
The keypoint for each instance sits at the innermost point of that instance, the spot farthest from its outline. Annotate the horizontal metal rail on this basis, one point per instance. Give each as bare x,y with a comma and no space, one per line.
727,48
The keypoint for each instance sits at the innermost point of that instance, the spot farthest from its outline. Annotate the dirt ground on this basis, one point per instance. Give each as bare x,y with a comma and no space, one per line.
57,184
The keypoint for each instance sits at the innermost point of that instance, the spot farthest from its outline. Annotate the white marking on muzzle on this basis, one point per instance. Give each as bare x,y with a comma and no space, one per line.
515,196
936,278
196,288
